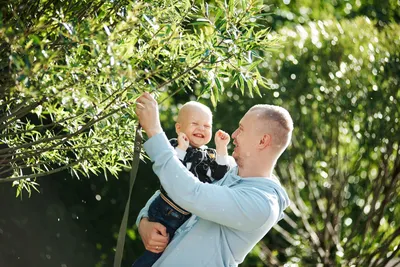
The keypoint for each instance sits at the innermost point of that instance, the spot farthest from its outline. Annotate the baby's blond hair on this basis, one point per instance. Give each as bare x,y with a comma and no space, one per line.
190,105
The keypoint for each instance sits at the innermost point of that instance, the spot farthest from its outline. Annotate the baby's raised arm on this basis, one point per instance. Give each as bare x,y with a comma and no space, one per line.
183,141
221,140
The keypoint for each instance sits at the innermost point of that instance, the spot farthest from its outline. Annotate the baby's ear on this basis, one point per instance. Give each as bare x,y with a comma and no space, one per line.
177,127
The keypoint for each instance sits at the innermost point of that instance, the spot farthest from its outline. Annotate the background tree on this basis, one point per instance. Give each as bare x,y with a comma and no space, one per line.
344,167
340,79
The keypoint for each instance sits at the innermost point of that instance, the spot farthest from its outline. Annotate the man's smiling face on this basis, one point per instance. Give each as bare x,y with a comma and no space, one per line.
246,137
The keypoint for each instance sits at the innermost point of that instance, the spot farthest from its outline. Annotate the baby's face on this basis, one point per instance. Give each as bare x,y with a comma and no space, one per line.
197,125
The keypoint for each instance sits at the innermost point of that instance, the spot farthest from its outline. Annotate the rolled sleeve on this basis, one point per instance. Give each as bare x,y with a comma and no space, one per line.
181,153
222,160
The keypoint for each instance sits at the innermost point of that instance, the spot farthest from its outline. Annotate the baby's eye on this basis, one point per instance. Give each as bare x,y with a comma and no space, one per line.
207,126
195,123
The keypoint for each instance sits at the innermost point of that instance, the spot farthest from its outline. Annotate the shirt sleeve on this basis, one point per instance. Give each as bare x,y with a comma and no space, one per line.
242,208
181,153
144,211
222,160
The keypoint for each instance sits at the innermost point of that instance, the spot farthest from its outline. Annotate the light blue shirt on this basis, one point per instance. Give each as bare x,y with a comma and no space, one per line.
229,216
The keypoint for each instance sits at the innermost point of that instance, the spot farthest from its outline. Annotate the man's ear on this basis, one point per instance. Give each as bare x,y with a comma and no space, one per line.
177,127
265,141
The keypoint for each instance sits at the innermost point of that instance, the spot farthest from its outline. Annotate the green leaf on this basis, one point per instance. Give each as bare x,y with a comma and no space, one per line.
250,87
254,64
231,7
213,59
219,85
242,80
214,96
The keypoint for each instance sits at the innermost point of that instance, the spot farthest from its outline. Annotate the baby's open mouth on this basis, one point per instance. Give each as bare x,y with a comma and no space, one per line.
199,135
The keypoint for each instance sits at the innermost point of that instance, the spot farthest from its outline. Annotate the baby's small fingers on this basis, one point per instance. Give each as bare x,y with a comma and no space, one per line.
182,136
223,134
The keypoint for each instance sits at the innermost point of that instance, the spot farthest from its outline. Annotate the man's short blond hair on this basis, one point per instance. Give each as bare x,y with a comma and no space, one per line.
278,123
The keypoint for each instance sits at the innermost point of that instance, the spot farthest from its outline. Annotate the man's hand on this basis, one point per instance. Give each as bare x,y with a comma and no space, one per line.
154,235
183,141
221,140
147,112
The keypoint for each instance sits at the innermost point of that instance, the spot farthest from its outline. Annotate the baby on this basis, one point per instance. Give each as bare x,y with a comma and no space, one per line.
194,128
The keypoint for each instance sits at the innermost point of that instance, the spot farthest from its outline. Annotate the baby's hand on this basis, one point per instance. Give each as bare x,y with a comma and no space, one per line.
221,142
183,141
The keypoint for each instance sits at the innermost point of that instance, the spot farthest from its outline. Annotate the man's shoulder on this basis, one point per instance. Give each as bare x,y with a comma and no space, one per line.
262,184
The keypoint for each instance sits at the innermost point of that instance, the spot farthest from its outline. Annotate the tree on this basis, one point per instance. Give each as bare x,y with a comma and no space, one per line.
73,70
300,12
342,170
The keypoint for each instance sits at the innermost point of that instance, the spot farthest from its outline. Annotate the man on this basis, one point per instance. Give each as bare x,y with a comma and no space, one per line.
231,215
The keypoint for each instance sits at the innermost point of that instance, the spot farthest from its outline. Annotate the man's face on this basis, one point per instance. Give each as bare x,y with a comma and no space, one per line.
246,138
197,125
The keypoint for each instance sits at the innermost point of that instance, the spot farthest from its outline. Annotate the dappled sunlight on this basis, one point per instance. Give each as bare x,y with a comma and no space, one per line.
71,73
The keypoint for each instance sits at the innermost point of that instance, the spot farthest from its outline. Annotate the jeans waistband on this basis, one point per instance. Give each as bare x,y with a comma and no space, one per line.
173,205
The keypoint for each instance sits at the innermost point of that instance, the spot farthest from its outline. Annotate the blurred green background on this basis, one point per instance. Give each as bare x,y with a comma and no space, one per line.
337,71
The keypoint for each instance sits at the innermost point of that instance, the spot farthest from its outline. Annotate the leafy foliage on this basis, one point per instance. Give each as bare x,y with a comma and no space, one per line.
301,12
343,168
74,73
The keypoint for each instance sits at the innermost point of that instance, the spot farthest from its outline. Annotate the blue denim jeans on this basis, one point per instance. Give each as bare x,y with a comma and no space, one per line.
160,211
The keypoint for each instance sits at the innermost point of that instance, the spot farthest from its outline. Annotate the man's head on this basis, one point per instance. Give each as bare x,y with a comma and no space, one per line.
264,132
195,120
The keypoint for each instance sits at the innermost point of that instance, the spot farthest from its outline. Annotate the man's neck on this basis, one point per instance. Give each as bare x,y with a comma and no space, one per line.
255,169
248,172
